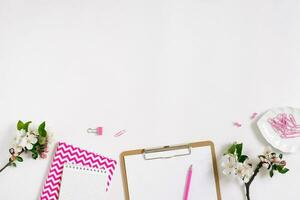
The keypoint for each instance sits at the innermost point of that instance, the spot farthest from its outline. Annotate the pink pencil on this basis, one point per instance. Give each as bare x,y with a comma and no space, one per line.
188,183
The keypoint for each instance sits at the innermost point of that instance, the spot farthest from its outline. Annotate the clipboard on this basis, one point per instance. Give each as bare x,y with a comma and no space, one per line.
139,168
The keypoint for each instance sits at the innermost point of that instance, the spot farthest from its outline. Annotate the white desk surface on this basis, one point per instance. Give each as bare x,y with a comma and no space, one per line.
166,71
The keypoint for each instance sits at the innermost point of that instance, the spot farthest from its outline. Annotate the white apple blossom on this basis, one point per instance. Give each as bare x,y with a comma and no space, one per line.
231,166
24,139
33,129
17,146
244,171
28,141
237,164
270,158
229,163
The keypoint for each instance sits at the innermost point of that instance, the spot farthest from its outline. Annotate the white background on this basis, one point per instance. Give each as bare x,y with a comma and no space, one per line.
166,71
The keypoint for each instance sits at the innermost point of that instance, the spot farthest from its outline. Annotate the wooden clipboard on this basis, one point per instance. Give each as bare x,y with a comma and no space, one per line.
189,146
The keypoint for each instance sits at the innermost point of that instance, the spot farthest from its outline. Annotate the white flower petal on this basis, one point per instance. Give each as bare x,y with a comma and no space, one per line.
266,165
32,139
17,149
268,150
29,146
22,133
23,142
32,128
50,137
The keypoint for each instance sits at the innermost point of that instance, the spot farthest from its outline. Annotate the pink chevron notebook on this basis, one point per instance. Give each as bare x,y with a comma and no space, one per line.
66,153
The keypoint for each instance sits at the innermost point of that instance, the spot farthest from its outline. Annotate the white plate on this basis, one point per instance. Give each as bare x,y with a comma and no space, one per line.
287,145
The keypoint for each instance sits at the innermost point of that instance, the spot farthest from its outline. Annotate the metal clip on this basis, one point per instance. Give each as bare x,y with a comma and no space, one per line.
167,148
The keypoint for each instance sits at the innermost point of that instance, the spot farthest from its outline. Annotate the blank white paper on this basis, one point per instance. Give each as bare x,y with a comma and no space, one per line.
80,183
163,179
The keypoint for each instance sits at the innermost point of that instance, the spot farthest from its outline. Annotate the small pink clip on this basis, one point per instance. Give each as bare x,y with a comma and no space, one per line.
253,115
98,130
237,124
120,133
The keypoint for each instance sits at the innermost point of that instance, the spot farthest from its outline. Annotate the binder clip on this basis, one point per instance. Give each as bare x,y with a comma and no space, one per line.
98,130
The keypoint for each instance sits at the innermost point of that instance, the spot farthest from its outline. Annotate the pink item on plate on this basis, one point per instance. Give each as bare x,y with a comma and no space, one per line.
285,126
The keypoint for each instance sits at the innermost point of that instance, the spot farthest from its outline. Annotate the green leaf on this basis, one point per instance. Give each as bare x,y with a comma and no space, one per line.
242,158
42,140
271,173
20,125
275,167
13,164
33,150
19,159
282,169
239,148
280,156
231,149
34,155
26,125
41,130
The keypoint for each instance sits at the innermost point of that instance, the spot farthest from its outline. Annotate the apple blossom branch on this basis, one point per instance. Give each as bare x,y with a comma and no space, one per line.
29,140
236,164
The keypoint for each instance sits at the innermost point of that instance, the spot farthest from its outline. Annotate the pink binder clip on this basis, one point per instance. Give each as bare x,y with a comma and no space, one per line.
98,130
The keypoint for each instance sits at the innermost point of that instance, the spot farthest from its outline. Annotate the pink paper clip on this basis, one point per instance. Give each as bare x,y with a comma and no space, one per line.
120,133
253,115
98,130
285,125
237,124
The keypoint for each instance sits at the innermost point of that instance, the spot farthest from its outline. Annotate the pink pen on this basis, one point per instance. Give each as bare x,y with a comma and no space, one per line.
188,183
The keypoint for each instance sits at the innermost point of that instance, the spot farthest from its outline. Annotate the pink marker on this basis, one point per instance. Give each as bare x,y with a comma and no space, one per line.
188,183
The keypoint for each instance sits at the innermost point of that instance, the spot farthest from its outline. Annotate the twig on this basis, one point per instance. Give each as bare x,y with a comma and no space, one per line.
247,185
11,160
8,164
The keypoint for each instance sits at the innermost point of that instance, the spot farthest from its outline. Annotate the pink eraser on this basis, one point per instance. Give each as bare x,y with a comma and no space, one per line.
99,130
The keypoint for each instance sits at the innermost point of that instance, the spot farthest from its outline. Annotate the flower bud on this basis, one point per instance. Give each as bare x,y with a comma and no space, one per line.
282,163
11,151
276,160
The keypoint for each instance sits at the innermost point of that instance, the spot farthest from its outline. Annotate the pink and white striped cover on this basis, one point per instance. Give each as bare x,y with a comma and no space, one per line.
66,153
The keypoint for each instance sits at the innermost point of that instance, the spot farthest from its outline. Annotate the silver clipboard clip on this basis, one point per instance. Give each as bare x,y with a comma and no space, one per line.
165,149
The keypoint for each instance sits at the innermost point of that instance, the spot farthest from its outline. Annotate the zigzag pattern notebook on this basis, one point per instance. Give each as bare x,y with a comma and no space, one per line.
66,153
